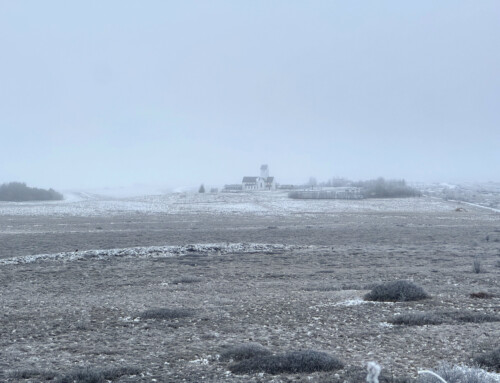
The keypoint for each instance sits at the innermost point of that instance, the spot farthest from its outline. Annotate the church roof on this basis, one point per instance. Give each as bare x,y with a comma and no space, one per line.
250,179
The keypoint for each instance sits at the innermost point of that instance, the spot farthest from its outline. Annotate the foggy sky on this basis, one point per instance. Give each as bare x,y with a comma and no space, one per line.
176,93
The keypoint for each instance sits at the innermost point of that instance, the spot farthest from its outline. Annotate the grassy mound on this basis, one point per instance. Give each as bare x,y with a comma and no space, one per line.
290,362
398,291
165,313
418,319
440,317
490,360
244,351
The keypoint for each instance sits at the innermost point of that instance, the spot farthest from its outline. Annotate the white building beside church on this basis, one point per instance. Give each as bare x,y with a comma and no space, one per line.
264,182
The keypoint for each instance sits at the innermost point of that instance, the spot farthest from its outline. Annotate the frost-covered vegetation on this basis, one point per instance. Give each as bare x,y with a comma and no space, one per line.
490,360
79,375
19,192
289,362
442,317
457,374
398,291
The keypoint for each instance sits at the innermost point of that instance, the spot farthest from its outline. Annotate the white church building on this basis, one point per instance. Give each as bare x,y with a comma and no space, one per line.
264,182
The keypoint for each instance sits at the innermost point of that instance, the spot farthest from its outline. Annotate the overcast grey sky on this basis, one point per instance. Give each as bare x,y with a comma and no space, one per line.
176,93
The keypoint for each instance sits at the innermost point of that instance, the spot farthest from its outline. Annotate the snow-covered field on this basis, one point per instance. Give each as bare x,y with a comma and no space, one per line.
263,203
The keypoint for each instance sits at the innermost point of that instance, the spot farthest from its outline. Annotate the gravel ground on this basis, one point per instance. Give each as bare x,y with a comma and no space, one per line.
59,315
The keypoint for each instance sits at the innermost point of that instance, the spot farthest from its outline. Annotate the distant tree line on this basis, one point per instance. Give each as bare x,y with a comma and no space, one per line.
376,188
19,192
381,188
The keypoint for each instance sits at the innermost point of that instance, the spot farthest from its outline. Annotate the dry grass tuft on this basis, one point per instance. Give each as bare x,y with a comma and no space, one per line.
290,362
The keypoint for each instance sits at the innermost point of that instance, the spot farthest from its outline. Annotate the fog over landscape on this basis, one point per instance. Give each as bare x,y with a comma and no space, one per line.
172,94
249,191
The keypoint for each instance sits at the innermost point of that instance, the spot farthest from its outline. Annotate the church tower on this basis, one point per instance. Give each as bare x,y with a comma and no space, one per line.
264,171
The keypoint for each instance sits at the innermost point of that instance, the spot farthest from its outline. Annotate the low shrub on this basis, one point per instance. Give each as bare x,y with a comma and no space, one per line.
481,295
418,319
186,279
457,374
32,373
166,313
398,291
96,375
290,362
490,360
440,317
473,317
83,375
244,351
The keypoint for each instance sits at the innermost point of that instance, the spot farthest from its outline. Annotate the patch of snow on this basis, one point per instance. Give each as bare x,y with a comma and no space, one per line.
201,361
156,252
386,325
351,302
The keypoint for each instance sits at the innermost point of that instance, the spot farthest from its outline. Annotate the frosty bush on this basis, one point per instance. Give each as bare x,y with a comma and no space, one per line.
41,374
440,317
457,374
165,313
417,319
482,295
244,351
398,291
473,317
96,375
490,360
289,362
186,279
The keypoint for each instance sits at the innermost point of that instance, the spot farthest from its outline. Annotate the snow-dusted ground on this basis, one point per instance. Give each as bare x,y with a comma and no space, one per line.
263,203
287,274
155,252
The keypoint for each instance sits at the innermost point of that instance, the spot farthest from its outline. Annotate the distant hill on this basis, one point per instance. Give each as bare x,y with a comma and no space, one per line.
19,192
